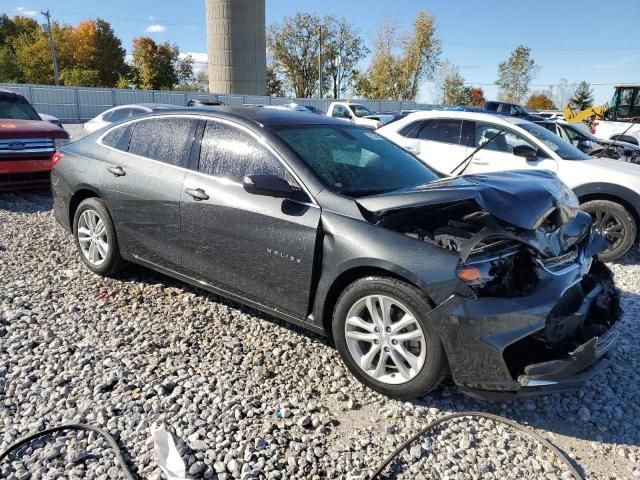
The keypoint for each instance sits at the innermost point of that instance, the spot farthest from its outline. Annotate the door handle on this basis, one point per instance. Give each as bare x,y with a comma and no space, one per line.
198,194
117,171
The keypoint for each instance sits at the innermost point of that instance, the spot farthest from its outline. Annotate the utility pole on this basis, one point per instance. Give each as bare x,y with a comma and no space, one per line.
52,46
320,62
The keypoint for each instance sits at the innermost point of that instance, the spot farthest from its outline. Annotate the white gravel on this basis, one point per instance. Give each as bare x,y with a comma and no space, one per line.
246,395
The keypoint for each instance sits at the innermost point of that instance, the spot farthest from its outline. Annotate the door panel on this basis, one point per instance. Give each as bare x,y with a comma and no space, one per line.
145,205
258,247
261,248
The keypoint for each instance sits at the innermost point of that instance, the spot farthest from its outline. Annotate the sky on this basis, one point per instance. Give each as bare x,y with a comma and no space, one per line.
572,40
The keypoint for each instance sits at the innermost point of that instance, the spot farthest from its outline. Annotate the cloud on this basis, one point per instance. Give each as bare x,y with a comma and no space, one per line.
200,60
25,12
156,28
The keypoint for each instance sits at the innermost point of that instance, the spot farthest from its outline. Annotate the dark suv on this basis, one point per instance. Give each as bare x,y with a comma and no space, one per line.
332,227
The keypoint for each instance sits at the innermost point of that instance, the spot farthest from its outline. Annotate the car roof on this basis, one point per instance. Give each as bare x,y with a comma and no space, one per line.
150,106
5,91
267,117
464,115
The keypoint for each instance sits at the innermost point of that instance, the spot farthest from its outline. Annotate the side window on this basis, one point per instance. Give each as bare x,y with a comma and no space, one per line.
167,139
119,137
411,130
120,114
574,136
492,107
505,142
624,103
339,112
229,152
137,111
442,130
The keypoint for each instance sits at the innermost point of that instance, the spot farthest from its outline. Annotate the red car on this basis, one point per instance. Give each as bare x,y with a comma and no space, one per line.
28,144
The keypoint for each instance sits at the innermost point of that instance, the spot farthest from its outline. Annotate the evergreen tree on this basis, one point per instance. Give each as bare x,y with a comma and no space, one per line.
582,97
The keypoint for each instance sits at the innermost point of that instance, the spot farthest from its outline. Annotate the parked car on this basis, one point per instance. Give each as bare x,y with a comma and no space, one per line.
510,110
608,189
332,227
313,109
27,143
550,114
358,114
592,145
203,102
50,118
124,112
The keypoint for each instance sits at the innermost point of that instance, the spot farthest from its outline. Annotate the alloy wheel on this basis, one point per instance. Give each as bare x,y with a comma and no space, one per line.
609,226
92,236
385,339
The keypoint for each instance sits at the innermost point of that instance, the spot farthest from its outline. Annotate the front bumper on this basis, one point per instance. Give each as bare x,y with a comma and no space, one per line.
553,339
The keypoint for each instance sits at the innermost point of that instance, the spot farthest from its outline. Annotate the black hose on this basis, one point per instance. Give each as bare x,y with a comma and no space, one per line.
377,474
74,426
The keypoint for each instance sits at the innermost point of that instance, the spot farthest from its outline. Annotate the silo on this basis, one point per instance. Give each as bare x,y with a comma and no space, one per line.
237,46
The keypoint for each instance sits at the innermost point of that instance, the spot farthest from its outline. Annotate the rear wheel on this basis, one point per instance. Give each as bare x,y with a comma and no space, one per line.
95,237
380,331
615,224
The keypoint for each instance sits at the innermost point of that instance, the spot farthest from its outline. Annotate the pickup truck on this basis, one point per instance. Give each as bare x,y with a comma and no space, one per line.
510,110
27,144
358,114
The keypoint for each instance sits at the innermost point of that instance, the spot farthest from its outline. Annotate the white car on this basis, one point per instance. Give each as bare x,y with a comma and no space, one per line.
608,189
123,112
358,114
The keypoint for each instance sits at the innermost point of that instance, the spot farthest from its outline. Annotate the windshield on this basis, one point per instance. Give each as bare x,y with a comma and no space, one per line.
520,110
360,110
561,147
354,161
16,107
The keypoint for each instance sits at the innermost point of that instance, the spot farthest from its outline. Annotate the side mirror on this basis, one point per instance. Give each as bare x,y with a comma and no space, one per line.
269,186
525,151
585,146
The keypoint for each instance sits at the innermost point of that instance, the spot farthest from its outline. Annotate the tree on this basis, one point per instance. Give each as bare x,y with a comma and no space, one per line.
476,97
294,47
450,88
540,101
398,76
110,53
345,48
157,66
562,92
515,75
10,72
275,85
582,97
80,77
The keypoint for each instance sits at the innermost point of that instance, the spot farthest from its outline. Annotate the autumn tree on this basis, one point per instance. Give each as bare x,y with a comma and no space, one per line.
515,75
476,97
159,66
582,97
399,75
540,101
450,88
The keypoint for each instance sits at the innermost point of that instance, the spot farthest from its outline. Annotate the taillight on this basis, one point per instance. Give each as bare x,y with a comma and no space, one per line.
56,157
593,127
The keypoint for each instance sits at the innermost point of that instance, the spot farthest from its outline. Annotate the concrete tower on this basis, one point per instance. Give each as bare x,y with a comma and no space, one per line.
237,46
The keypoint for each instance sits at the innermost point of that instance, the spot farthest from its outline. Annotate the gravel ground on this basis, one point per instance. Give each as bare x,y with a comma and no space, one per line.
248,396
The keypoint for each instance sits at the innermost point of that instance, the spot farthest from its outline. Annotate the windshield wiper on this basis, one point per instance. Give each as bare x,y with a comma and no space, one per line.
468,159
366,191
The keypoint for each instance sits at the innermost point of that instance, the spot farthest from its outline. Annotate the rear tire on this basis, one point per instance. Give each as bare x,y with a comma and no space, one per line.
403,358
95,237
615,223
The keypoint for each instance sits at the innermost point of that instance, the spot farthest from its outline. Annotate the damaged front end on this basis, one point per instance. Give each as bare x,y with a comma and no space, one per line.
537,312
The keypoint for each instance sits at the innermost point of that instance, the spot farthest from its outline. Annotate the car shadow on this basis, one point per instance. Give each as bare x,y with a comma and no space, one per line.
27,201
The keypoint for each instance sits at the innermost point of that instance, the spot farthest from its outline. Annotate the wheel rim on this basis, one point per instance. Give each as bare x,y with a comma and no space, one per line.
609,226
385,339
92,237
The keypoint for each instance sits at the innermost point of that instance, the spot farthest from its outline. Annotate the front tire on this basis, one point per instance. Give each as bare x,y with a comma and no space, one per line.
381,333
95,237
615,224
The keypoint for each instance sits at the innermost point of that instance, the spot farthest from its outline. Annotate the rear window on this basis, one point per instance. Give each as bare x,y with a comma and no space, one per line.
167,140
16,107
119,137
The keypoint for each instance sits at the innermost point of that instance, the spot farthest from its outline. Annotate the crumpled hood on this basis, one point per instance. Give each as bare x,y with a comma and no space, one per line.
519,197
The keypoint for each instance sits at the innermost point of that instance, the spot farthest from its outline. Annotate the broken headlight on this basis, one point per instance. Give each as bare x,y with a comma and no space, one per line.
506,276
